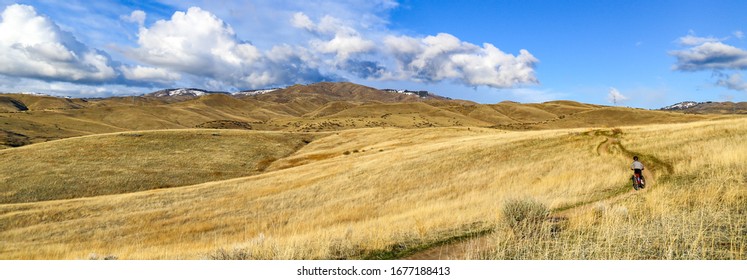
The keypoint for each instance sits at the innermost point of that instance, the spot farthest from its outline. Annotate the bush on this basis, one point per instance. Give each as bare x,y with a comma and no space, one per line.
96,257
235,254
526,218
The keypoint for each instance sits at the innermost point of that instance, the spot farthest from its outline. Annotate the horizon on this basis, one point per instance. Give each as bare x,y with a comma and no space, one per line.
631,54
381,89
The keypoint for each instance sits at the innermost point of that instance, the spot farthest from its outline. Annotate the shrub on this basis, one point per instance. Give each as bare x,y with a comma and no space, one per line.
526,218
235,254
96,257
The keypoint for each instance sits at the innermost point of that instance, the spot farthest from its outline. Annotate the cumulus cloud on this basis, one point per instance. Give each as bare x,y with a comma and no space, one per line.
335,37
149,74
615,96
198,43
285,64
301,20
716,56
136,16
426,59
195,47
195,42
33,46
710,56
444,56
733,81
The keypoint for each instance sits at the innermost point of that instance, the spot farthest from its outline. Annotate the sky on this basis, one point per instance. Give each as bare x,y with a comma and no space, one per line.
645,54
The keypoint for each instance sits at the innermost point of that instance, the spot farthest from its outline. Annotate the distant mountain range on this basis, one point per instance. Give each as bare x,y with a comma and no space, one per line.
195,92
353,92
708,107
326,106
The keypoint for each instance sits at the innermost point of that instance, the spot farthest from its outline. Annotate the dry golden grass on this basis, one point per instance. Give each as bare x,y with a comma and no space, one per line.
312,108
365,192
382,197
136,161
695,212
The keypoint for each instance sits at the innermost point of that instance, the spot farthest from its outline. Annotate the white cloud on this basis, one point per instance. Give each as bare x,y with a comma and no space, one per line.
692,40
33,46
710,56
328,40
344,46
150,74
615,97
444,56
301,20
336,37
199,43
713,55
15,84
195,42
739,34
426,59
137,16
733,81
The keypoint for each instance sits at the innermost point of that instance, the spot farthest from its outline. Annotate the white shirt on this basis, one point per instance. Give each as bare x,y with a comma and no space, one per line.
636,165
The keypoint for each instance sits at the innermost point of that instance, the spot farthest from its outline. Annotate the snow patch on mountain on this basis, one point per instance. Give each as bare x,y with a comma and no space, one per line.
255,91
681,106
183,92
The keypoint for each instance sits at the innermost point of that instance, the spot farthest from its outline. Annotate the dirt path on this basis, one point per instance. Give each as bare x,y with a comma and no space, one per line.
605,149
472,246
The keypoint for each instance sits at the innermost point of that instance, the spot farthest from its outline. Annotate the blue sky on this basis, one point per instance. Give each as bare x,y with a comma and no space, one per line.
645,54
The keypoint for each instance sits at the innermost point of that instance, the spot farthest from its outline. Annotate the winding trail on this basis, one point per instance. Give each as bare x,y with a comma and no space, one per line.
463,248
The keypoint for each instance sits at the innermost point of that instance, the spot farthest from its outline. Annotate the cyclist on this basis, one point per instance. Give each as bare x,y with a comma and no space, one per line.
637,168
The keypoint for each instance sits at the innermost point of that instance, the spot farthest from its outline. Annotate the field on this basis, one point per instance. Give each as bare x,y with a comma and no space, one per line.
385,192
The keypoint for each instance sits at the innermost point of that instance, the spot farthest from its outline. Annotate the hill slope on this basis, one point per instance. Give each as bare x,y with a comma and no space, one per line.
371,192
136,161
302,108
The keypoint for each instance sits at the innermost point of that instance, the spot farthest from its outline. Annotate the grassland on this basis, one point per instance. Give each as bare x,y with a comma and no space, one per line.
343,172
366,193
28,119
695,210
137,161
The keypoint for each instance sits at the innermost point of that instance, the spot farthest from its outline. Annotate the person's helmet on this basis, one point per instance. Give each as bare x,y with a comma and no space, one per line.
635,157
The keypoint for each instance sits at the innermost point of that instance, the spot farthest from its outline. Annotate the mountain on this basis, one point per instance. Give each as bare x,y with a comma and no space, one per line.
708,107
336,91
680,106
180,92
255,91
27,119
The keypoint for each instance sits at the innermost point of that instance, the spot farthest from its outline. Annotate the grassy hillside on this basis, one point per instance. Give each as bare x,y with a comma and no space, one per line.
352,193
375,192
136,161
694,210
9,104
26,119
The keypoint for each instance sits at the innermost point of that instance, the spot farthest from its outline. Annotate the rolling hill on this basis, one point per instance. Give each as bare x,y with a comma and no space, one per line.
343,171
26,119
374,193
133,161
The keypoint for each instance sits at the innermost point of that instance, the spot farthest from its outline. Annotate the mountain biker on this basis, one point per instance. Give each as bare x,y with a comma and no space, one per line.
637,168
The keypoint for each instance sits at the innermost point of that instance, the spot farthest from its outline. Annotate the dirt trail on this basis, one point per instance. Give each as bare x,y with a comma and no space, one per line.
604,149
460,250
